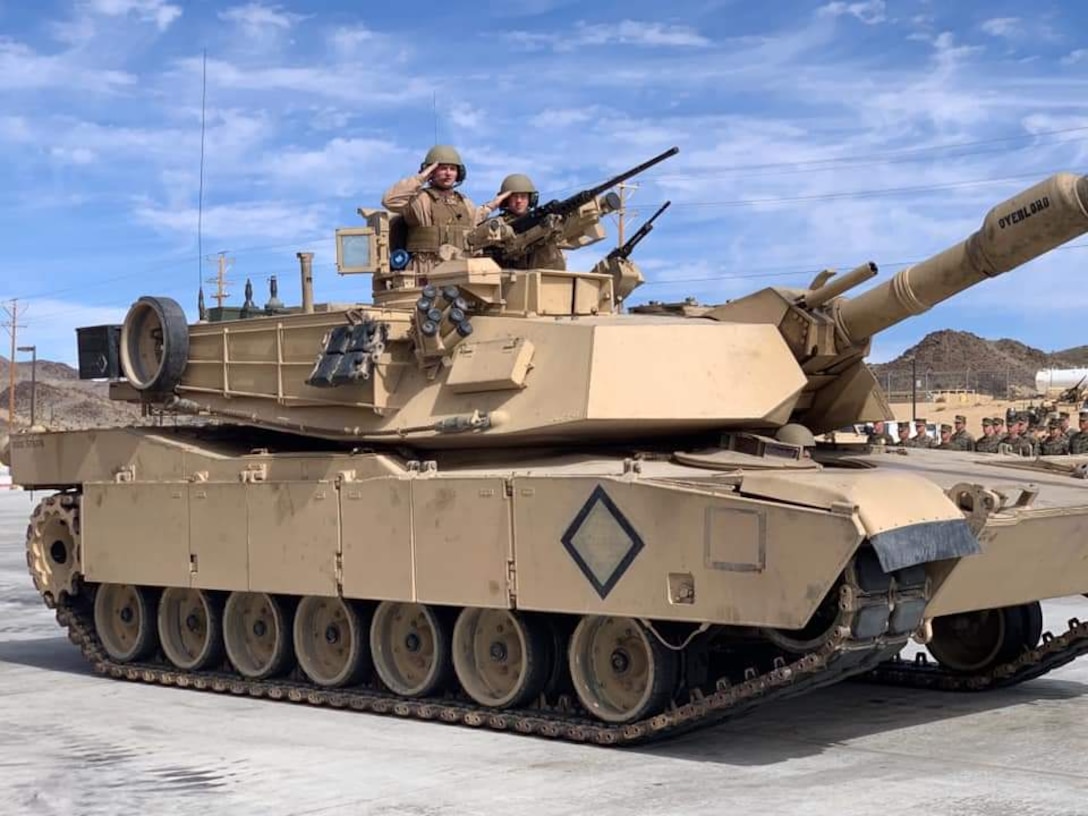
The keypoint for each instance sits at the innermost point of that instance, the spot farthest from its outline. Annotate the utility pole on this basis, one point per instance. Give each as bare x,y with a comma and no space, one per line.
621,213
33,381
12,325
220,280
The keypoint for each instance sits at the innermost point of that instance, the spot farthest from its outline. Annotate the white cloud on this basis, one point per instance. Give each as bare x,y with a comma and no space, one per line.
1073,57
869,12
256,16
347,39
159,12
1002,26
260,221
23,68
624,32
73,155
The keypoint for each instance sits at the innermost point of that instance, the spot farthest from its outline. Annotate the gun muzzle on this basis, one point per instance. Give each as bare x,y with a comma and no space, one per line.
1014,232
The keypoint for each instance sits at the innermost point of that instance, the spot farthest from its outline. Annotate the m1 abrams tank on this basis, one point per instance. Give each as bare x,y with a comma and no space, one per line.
492,498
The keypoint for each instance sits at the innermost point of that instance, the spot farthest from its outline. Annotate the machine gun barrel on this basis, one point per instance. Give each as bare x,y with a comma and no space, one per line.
628,246
1014,232
574,202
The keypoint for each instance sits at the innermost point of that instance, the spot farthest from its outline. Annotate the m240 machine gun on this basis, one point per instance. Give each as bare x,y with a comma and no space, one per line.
573,221
625,275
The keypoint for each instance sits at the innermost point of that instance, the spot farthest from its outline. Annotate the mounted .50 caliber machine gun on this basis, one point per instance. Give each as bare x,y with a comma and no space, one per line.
573,221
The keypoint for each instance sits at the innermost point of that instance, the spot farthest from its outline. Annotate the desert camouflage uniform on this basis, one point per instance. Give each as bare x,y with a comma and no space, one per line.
1078,443
1055,446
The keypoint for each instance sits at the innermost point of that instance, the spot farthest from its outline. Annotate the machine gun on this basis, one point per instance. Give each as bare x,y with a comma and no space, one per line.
1074,394
624,251
572,218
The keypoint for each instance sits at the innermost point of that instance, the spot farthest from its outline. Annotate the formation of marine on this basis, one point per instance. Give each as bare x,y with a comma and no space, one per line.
1024,434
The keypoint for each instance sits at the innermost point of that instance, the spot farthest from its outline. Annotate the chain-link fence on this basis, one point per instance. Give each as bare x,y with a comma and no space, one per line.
898,386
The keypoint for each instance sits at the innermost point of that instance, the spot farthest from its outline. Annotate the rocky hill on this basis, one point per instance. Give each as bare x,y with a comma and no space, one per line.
957,359
62,399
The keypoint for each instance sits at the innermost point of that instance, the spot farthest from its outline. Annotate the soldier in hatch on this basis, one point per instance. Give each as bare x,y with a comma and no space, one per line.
1056,443
519,195
434,211
961,439
880,435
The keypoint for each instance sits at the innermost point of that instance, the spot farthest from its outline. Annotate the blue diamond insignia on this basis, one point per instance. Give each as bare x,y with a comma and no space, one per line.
602,542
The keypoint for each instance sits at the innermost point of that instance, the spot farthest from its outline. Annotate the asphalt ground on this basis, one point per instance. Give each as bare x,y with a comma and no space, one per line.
72,742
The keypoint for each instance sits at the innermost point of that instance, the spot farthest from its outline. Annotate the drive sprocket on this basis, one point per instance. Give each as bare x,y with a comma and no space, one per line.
53,551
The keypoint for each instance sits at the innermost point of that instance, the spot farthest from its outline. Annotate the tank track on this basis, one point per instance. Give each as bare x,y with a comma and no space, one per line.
876,616
1052,652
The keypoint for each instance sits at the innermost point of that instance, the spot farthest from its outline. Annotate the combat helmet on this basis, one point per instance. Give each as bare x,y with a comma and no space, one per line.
521,183
444,154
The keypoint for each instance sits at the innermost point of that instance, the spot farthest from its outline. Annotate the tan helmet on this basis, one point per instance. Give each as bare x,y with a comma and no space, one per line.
795,434
520,183
445,154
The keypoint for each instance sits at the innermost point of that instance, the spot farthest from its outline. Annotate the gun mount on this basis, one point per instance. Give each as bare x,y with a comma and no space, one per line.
571,221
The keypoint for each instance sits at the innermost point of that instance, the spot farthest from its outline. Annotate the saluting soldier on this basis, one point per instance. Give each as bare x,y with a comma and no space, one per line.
519,195
961,439
1078,442
989,441
434,211
1056,443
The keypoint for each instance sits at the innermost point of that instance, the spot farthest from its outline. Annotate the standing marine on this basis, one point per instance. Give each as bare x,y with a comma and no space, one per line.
988,442
961,439
879,435
1078,442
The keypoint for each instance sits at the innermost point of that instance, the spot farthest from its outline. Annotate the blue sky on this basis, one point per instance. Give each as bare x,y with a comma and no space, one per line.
812,135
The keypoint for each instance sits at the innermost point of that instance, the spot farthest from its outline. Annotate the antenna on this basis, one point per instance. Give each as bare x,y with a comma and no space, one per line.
200,195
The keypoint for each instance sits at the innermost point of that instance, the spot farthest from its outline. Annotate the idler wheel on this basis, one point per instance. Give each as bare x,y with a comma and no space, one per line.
978,641
501,657
330,641
53,547
621,672
154,344
257,634
410,645
124,618
190,628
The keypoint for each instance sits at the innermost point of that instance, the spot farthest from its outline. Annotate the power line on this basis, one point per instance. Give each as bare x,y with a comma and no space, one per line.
890,156
13,325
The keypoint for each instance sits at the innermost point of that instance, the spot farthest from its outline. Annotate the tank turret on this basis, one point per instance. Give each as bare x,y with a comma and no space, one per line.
480,355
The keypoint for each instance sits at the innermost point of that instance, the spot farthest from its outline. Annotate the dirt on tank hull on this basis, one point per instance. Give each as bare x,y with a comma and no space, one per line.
492,498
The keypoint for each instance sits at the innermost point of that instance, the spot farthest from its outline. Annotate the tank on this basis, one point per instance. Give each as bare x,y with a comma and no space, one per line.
493,497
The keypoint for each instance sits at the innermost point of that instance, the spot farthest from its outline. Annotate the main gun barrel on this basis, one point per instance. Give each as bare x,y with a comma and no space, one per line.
1014,232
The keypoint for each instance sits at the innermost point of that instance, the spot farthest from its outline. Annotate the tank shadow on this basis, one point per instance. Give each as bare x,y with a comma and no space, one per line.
49,653
813,723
